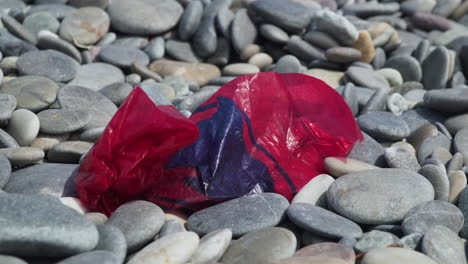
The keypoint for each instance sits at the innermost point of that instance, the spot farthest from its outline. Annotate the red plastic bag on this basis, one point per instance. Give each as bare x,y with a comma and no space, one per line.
266,132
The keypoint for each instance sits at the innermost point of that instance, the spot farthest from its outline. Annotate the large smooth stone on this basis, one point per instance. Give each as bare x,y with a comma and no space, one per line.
322,222
33,93
48,63
46,178
64,232
451,101
144,17
384,125
60,121
139,221
327,249
443,246
314,192
173,249
241,215
212,246
96,76
261,247
23,126
379,196
80,98
85,26
395,255
201,73
424,216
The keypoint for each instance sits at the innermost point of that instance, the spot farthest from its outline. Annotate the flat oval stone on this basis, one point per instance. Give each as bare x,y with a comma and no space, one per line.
274,33
288,64
23,126
241,215
123,56
59,11
436,69
458,183
212,246
369,151
358,196
304,50
190,20
5,171
100,108
44,178
7,105
395,255
23,155
33,93
314,192
424,216
41,21
338,167
68,151
7,141
181,51
401,158
117,92
243,31
408,67
438,179
367,78
430,143
113,240
262,246
176,248
48,63
336,25
144,17
85,26
95,256
59,121
46,41
343,54
201,73
139,221
322,222
96,76
238,69
23,215
327,249
456,122
46,142
384,125
443,245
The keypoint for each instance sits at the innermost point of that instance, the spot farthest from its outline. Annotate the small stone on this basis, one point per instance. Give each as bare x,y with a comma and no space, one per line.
442,154
412,241
237,214
375,239
398,255
171,227
336,25
238,69
274,33
367,78
400,158
430,143
23,126
343,54
397,104
429,22
358,195
60,121
5,171
436,69
367,9
447,100
261,60
139,221
176,248
123,56
314,191
368,151
341,166
41,21
45,41
288,64
456,163
33,93
321,40
97,218
24,214
96,76
190,20
7,106
201,73
212,246
384,125
68,151
303,50
366,46
113,240
443,245
424,216
46,142
85,26
22,156
332,78
322,222
262,246
144,17
243,31
117,92
156,48
438,179
408,67
18,29
332,250
457,185
48,63
13,46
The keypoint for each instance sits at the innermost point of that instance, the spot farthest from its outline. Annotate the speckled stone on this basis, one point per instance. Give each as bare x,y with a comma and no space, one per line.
443,245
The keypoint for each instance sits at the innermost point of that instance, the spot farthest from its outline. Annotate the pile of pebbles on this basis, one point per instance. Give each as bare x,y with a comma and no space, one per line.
399,196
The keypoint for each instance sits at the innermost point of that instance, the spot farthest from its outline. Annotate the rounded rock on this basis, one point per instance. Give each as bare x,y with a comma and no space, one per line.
238,69
59,121
384,125
41,21
395,255
212,246
23,126
68,151
443,245
123,56
96,76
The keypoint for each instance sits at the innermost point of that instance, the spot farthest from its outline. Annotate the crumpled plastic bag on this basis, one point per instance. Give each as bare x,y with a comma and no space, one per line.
266,132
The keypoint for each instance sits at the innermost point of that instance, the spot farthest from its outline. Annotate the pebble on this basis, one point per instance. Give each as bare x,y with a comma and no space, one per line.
460,142
241,215
429,22
343,54
33,93
156,48
321,40
401,158
446,101
17,29
201,73
46,142
392,255
369,151
424,216
96,76
212,246
239,69
97,218
46,41
59,11
7,106
95,256
181,51
367,78
332,250
11,260
384,125
463,206
171,227
322,222
366,46
85,26
59,121
176,248
375,239
274,33
303,50
111,239
362,201
22,156
332,78
5,171
243,31
144,17
315,259
261,60
23,126
287,64
436,69
314,192
338,26
68,151
117,92
24,214
48,63
412,241
443,245
341,166
458,183
430,143
262,246
123,56
438,179
190,20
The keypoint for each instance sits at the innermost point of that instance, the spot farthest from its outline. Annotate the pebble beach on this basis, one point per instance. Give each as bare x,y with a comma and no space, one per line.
400,196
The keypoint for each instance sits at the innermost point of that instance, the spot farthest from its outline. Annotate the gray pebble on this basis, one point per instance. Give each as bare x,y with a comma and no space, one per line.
436,69
5,171
95,256
7,106
123,56
443,245
401,158
408,67
243,31
96,76
375,239
288,64
190,20
92,135
369,151
48,42
384,125
181,51
336,25
60,121
303,50
274,33
155,48
367,78
430,143
113,240
68,151
412,241
49,63
117,92
85,26
439,180
170,227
